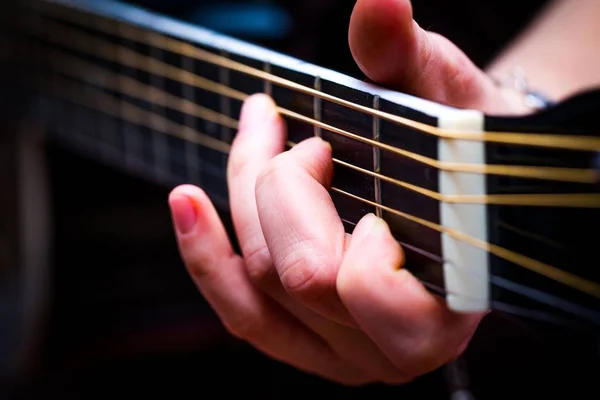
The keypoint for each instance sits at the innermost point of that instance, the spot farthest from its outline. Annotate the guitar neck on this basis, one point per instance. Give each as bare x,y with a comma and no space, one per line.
161,99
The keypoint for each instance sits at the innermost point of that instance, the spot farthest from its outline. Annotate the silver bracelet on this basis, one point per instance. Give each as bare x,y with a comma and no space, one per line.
517,80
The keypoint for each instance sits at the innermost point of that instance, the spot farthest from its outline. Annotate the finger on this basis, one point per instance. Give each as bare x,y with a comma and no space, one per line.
414,328
261,136
351,344
221,277
302,228
391,49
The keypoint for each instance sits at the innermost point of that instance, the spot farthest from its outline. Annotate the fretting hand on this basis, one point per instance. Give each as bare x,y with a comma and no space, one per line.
303,291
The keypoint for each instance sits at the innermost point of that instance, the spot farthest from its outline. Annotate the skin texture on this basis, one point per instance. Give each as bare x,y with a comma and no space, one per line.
391,49
304,292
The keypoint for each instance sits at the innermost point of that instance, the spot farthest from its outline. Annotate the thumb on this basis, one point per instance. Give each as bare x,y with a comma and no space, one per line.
391,49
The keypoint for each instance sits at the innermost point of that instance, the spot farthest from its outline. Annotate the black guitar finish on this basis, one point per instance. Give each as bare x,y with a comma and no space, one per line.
556,236
560,236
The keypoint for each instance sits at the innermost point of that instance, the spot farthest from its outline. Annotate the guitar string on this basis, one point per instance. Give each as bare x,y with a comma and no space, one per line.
75,68
143,117
104,103
531,264
96,47
392,116
580,142
522,290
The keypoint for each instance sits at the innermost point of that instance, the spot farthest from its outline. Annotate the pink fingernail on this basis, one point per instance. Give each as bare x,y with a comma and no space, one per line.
184,214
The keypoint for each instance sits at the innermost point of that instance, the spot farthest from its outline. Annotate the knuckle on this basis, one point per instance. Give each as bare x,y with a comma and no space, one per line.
308,278
199,265
258,264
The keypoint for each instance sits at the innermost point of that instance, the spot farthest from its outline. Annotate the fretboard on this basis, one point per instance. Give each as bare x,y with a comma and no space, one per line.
160,98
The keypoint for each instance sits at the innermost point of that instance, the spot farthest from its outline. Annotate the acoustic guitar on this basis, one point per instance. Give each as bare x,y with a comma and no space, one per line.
494,213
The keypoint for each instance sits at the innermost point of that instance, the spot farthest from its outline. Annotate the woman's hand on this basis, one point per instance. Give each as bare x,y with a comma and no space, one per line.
303,291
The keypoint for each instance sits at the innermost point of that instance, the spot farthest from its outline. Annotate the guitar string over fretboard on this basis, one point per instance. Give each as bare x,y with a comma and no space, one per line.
123,84
106,103
97,47
75,68
586,143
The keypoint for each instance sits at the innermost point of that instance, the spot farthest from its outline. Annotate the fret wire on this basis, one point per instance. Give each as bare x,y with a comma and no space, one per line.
538,172
317,106
140,116
108,129
193,161
74,67
579,142
132,144
224,103
268,87
159,144
585,143
377,159
114,155
567,200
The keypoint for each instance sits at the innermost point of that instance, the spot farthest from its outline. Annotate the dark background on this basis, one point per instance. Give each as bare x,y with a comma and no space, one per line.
125,318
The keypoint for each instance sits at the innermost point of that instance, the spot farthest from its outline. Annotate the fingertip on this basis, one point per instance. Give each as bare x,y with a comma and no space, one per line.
257,110
191,208
363,227
372,261
183,203
188,191
314,142
260,98
315,156
201,236
380,236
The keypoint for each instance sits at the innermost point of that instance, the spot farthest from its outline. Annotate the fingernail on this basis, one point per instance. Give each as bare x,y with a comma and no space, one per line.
256,111
370,221
378,228
184,214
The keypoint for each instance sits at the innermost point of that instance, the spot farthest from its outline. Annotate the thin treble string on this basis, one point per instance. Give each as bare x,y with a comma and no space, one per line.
115,107
437,288
142,117
518,259
524,261
582,142
135,60
506,285
76,68
541,297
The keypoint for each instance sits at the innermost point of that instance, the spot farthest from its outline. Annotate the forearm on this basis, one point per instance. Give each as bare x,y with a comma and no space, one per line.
559,51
